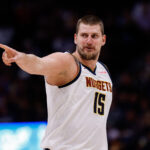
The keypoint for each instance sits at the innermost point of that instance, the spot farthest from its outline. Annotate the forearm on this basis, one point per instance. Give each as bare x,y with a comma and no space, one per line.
30,63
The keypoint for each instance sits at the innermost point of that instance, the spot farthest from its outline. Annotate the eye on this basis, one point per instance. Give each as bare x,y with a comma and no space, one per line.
84,35
94,36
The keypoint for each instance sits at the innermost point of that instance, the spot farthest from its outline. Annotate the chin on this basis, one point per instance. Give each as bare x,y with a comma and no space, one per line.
89,56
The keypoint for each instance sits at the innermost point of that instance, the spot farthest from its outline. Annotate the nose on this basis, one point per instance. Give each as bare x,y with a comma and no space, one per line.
89,40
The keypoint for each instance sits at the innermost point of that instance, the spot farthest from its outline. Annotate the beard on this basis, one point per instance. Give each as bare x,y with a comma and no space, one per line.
87,55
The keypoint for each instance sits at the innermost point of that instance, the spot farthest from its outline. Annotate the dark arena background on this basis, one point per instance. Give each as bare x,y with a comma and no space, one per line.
42,27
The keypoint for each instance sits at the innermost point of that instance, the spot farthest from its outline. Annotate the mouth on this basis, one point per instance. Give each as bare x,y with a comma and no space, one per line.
89,49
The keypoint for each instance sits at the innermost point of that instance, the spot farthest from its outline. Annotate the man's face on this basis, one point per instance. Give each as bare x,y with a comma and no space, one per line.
89,41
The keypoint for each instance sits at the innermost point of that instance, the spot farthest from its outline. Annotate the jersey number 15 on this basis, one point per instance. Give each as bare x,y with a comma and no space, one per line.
99,101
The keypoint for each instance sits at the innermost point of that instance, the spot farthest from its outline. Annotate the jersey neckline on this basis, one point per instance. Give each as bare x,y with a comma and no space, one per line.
89,69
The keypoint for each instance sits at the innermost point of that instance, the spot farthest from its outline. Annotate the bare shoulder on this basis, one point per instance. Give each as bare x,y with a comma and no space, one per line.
59,57
62,68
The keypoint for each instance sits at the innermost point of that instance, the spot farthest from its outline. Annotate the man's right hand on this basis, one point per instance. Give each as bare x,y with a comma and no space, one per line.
9,55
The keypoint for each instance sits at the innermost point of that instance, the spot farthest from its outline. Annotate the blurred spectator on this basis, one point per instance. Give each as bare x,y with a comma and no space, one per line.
141,15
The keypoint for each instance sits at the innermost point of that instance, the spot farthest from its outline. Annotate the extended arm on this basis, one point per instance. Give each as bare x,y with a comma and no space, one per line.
58,68
27,62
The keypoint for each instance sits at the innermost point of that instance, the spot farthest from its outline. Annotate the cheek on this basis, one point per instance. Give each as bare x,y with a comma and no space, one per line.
100,43
97,43
81,42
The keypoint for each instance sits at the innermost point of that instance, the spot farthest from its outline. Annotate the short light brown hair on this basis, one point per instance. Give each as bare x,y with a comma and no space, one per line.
90,20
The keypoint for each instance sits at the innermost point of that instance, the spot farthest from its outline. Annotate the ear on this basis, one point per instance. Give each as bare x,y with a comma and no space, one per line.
75,38
103,40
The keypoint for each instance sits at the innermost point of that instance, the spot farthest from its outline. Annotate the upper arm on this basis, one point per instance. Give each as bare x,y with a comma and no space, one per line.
59,68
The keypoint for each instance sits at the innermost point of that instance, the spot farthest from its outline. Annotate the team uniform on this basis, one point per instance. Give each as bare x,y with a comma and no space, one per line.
78,111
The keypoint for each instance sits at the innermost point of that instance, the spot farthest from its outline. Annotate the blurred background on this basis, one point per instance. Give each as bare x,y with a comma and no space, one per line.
42,27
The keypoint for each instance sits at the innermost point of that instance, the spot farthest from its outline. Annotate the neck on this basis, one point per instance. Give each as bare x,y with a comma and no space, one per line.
89,63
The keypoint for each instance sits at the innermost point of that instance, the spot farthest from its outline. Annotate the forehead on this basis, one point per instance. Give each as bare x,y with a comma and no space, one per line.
86,28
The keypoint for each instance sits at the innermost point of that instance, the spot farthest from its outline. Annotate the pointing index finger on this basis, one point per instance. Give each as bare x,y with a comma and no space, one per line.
3,46
6,48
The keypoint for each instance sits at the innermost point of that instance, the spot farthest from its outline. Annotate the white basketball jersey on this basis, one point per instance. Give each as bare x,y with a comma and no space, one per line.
78,111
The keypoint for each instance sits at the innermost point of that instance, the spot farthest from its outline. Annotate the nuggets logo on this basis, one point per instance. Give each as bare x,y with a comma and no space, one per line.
101,85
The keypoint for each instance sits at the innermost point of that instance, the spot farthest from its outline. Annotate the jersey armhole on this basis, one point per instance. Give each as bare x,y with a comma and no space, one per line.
106,69
78,72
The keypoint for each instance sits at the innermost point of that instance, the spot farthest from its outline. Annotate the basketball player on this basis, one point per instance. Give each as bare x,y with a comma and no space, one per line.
78,88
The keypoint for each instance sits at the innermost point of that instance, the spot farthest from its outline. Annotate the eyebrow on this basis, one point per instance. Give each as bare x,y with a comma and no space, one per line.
89,33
